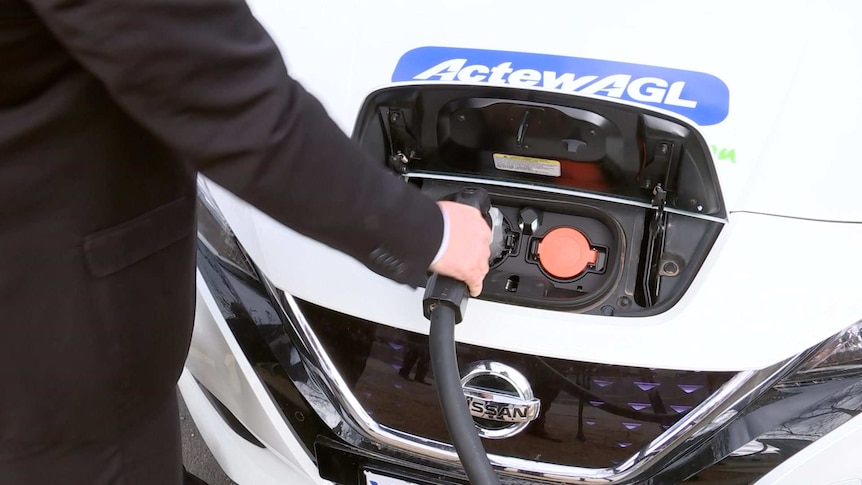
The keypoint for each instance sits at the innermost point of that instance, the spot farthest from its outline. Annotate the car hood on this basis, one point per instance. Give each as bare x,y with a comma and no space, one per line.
777,87
770,288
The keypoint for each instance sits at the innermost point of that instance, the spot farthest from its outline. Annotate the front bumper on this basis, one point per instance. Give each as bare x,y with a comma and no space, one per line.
243,461
284,420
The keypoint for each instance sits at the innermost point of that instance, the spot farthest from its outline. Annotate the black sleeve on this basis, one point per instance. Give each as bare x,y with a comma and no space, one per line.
208,81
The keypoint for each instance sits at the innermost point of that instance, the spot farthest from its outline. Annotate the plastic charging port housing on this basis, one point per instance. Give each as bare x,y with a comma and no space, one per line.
575,241
584,163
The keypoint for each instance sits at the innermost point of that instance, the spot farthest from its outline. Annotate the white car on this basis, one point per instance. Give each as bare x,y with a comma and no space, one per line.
675,296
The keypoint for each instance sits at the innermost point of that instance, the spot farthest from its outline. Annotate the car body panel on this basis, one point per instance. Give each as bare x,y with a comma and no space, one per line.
782,276
769,290
216,362
795,106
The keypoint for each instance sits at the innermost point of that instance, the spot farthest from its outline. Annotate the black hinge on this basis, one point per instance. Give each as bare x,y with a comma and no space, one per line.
402,145
660,169
655,247
657,177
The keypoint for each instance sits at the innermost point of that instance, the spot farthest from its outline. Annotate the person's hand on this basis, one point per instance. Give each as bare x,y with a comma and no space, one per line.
468,250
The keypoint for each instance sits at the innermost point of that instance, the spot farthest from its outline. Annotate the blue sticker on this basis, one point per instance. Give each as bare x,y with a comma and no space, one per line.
701,97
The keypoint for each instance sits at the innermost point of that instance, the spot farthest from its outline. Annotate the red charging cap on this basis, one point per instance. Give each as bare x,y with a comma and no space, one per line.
565,252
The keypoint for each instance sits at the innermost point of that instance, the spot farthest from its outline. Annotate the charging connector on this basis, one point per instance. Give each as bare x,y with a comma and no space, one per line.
442,290
444,304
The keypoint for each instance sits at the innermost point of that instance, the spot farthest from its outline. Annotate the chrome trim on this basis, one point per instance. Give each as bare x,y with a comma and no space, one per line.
686,435
530,407
556,190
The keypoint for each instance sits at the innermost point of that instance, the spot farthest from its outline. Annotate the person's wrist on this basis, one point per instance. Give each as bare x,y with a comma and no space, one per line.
444,241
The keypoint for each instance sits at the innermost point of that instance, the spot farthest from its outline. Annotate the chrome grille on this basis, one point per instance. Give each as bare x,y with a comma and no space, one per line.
592,415
360,427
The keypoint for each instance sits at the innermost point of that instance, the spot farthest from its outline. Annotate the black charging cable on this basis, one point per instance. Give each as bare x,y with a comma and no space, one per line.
444,304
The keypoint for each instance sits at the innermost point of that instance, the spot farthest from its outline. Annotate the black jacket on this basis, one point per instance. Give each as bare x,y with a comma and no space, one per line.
108,108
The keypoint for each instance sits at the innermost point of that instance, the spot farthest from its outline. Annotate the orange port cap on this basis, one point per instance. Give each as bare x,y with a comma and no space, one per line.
565,252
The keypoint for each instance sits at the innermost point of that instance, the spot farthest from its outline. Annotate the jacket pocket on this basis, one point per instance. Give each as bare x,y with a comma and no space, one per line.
110,250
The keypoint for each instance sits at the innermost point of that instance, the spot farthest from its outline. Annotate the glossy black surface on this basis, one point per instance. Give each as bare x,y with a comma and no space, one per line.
592,415
780,424
259,328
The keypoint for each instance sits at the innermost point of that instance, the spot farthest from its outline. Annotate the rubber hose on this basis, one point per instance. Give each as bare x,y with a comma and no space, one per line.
459,422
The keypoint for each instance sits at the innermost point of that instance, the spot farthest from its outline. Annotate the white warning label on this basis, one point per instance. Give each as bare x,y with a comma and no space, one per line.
536,166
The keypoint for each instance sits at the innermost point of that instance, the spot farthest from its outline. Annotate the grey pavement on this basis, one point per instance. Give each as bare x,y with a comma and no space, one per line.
196,456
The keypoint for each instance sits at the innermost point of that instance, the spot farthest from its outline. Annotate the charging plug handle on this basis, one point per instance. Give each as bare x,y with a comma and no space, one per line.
443,290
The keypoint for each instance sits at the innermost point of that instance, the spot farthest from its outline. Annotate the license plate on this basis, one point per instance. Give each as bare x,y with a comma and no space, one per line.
372,478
